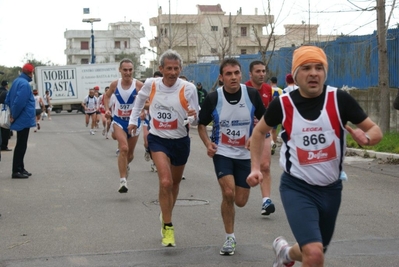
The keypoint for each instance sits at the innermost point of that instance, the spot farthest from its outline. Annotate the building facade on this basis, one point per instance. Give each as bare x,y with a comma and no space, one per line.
110,45
211,34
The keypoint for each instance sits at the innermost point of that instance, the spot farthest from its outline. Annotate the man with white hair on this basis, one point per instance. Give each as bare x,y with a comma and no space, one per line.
314,119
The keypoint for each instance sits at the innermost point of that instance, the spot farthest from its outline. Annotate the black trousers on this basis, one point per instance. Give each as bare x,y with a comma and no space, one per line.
5,136
20,150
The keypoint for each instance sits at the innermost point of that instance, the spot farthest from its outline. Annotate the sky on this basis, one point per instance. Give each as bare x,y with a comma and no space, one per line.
35,29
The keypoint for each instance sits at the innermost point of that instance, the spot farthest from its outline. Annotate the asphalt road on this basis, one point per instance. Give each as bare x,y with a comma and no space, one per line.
69,212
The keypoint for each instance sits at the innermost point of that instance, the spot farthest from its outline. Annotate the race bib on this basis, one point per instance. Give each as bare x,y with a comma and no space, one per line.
234,137
165,119
124,110
315,147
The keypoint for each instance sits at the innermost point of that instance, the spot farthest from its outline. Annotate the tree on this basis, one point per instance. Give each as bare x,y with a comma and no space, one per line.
383,74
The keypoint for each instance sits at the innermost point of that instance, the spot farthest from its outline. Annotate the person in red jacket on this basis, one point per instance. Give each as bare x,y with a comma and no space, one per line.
257,74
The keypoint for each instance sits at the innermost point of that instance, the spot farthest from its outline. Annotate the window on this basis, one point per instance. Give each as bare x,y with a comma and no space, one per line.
117,45
84,45
243,31
243,51
126,45
226,32
84,61
214,28
214,50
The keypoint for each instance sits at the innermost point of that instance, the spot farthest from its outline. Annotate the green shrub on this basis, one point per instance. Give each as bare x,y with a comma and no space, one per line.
389,143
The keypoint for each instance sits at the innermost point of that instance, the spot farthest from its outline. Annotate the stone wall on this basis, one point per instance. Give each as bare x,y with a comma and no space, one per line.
369,100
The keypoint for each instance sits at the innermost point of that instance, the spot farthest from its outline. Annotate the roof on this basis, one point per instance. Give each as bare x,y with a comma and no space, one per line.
209,8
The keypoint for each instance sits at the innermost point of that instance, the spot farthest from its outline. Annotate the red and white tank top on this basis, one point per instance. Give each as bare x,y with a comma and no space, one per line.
313,150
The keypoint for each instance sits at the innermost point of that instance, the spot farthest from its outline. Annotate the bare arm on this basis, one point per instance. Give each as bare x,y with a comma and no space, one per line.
367,133
211,147
256,147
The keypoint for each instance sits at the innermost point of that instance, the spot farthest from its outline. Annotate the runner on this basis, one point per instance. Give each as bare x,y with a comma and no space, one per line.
90,106
105,121
171,101
125,91
39,107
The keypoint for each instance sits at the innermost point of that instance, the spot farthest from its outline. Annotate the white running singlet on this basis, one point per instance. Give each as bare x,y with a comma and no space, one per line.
168,109
233,125
91,104
313,150
124,100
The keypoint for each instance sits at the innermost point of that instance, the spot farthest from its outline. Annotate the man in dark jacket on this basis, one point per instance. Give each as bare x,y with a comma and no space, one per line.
5,133
202,93
396,101
22,117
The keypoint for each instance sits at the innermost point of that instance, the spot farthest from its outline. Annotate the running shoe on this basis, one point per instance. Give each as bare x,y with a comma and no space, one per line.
153,167
274,146
147,156
127,171
38,126
229,246
279,247
103,133
92,132
123,187
117,152
162,225
168,239
267,207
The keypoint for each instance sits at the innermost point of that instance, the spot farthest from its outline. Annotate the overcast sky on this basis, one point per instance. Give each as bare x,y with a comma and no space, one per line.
37,27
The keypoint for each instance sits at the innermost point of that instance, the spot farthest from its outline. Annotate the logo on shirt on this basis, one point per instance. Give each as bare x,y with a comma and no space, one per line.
224,123
312,129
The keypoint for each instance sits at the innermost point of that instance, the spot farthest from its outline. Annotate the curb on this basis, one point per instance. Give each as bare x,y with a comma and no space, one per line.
372,154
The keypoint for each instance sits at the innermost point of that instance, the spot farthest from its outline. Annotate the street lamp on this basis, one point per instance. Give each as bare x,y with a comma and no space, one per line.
93,57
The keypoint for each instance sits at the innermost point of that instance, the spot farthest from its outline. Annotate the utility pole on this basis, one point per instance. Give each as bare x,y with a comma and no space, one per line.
230,41
188,44
309,22
170,29
383,71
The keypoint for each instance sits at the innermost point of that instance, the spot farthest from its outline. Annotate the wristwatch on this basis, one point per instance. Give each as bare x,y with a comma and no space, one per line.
368,138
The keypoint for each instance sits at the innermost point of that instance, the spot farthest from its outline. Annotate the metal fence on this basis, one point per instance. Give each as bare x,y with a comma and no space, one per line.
353,62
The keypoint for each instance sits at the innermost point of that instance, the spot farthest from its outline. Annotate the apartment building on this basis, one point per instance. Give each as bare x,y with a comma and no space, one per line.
110,45
211,34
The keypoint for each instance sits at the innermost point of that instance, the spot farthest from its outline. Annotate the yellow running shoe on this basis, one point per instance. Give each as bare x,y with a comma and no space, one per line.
168,239
162,225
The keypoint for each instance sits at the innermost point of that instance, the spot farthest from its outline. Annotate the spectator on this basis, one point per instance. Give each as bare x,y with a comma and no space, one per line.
396,101
5,133
22,117
202,93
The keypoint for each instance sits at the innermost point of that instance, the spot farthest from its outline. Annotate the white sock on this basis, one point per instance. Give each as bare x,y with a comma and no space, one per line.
123,179
230,235
286,257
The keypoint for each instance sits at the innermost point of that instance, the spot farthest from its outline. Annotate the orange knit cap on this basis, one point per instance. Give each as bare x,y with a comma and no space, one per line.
308,54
